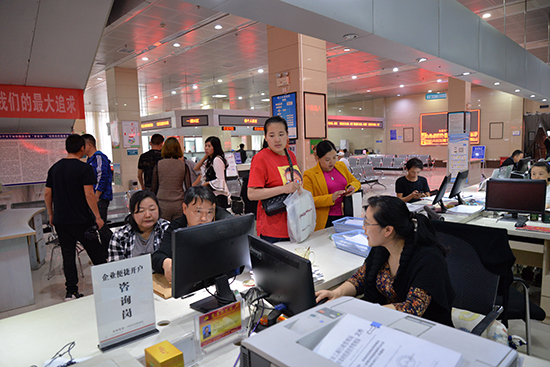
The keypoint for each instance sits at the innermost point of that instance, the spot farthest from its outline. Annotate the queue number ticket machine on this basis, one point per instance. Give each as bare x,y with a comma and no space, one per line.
352,332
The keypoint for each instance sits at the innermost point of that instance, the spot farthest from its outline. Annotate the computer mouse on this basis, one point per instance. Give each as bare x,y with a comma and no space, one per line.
324,300
520,224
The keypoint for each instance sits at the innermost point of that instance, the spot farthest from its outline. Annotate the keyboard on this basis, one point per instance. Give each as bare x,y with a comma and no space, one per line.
535,229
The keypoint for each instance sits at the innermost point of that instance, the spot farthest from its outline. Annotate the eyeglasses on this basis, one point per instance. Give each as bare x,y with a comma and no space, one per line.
369,224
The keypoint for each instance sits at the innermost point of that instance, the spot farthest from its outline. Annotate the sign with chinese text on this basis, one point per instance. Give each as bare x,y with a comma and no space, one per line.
130,134
242,120
284,105
123,294
355,124
26,158
21,101
219,323
201,120
433,128
430,96
156,124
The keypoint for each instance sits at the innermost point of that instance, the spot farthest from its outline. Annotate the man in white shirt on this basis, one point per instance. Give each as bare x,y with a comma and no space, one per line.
341,157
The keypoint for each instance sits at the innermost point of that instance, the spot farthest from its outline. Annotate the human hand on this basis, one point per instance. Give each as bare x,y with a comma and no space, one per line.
290,187
415,195
319,295
350,190
100,223
167,266
337,194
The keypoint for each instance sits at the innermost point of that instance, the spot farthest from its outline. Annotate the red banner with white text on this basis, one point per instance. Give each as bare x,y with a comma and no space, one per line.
20,101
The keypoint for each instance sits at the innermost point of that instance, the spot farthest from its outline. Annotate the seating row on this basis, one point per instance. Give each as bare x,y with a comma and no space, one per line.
390,161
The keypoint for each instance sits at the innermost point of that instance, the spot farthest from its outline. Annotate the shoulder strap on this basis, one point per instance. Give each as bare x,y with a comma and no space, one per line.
290,165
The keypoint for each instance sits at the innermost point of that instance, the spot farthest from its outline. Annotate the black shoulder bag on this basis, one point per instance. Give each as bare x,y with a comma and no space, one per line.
275,204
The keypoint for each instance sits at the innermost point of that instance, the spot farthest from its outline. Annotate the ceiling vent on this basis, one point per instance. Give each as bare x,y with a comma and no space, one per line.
125,50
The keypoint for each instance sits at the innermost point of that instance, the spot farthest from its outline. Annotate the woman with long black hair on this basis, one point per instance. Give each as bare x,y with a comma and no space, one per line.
406,268
213,166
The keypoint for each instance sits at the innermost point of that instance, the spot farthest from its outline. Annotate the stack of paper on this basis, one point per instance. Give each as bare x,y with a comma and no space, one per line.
318,277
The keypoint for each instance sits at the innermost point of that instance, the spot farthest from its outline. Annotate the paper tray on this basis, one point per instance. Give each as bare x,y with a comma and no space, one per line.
341,224
343,243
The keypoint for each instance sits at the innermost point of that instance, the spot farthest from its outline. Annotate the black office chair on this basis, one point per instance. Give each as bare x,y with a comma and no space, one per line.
476,256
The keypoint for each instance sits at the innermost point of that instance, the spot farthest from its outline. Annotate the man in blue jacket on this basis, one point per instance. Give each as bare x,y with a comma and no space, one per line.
103,188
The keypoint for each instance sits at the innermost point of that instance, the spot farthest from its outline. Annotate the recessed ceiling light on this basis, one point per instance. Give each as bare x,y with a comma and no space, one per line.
240,97
466,73
218,26
145,58
265,100
99,78
195,86
532,96
544,99
354,77
421,59
360,108
176,44
219,80
155,97
486,15
174,92
399,95
368,90
401,86
395,69
430,91
439,80
252,107
260,71
219,95
347,49
104,110
262,94
496,83
350,36
517,90
339,110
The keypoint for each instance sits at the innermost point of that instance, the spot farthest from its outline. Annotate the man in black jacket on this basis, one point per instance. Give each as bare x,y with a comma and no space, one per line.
199,207
513,159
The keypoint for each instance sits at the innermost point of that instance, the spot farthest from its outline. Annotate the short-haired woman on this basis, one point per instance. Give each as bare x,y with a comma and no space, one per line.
143,230
169,177
412,187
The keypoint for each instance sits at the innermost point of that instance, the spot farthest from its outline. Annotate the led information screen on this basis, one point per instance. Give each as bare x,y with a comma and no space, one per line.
355,124
242,120
433,128
156,124
201,120
284,105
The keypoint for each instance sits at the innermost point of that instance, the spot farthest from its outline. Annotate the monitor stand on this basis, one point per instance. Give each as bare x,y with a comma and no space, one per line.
224,293
514,217
441,208
460,200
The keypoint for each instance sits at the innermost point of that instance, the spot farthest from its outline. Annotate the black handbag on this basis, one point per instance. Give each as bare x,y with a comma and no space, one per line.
210,174
275,205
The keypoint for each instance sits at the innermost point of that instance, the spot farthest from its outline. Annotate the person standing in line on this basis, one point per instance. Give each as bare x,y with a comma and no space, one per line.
148,161
214,162
242,152
72,209
169,177
103,189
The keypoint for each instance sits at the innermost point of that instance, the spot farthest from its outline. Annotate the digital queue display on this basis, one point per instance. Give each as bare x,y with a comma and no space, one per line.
355,124
201,120
284,105
242,120
156,124
433,128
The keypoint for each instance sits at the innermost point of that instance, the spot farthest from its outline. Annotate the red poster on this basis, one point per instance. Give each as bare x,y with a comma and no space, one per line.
20,101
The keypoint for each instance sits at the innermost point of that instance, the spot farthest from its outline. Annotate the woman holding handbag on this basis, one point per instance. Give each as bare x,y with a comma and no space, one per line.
212,167
274,173
329,181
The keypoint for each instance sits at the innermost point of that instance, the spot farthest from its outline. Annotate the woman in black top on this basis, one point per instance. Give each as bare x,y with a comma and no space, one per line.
412,187
406,268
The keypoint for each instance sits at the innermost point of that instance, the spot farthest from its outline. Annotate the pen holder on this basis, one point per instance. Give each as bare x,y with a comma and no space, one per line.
306,253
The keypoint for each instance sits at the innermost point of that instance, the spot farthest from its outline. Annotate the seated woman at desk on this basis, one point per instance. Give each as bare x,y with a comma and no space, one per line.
541,171
406,268
329,181
143,230
412,187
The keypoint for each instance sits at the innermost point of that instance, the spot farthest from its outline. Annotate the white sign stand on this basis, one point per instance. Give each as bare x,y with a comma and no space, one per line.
124,303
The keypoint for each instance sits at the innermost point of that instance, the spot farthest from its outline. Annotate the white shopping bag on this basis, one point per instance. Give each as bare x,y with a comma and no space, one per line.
301,215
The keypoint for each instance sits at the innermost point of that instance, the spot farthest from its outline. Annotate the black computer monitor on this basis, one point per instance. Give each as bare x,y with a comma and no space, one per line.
358,151
516,196
439,196
210,254
283,275
523,165
458,185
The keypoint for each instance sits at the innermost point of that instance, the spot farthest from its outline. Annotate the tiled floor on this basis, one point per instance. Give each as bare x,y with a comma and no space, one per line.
50,292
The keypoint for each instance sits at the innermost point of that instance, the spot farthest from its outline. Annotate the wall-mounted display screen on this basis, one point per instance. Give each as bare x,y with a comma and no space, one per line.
201,120
284,105
156,124
242,120
343,123
433,128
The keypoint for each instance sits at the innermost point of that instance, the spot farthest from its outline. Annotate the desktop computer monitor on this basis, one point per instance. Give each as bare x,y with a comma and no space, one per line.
210,254
523,165
458,185
516,196
439,196
283,275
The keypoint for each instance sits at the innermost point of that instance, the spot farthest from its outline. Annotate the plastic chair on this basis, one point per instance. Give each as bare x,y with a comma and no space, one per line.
490,247
54,240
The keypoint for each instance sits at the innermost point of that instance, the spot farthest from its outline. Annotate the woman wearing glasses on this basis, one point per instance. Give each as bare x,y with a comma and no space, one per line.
406,268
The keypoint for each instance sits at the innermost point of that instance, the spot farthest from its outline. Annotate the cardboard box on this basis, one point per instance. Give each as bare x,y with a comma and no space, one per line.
163,354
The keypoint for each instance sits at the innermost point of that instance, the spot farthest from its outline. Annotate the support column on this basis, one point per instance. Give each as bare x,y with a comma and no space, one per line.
305,60
459,95
123,100
459,98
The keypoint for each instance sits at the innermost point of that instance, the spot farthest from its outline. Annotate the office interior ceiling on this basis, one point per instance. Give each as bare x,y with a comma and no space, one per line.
187,76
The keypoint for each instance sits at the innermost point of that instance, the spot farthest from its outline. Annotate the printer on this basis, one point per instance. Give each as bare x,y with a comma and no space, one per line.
291,343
